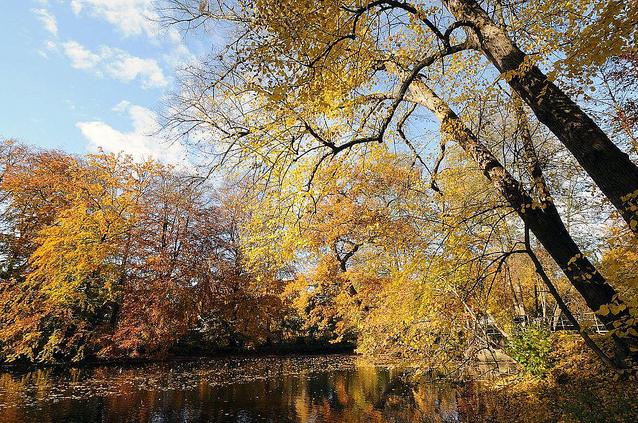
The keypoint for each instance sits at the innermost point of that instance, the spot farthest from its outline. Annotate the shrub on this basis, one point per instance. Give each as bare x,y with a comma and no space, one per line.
531,346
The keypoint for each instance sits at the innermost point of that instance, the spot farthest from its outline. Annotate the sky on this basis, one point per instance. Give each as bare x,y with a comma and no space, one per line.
89,75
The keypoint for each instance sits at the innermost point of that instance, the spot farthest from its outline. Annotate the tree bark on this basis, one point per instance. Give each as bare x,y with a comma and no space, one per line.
611,169
542,219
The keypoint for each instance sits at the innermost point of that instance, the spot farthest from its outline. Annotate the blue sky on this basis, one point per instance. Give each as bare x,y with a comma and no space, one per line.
80,75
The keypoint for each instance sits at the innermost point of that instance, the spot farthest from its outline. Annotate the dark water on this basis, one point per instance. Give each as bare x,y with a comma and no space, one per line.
244,390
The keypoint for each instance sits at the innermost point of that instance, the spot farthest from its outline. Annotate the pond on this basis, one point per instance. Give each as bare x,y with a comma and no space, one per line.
331,388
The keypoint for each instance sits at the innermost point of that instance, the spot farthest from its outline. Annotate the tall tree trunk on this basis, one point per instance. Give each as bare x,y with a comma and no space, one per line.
542,219
543,194
611,169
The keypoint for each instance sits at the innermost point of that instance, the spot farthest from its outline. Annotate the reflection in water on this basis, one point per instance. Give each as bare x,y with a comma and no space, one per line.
245,390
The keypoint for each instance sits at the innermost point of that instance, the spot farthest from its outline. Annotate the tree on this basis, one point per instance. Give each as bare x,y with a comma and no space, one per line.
302,85
55,308
542,218
340,49
611,169
106,257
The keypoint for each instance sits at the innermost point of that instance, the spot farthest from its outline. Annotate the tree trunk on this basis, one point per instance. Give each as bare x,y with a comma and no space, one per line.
611,169
542,219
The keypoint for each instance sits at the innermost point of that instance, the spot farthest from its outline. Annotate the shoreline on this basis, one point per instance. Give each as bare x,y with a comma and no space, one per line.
343,349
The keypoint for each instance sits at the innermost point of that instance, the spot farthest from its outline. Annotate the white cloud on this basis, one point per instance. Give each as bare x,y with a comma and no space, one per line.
127,68
49,46
131,17
135,17
139,17
48,20
122,106
76,6
178,55
139,143
81,57
116,64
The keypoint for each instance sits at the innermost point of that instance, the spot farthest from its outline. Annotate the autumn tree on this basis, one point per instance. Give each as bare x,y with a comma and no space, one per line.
342,46
300,86
32,200
107,257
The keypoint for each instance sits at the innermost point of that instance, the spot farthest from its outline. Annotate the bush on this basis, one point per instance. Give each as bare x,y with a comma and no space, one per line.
531,346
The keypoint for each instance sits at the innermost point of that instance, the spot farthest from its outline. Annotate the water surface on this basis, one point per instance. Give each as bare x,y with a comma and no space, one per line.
333,388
